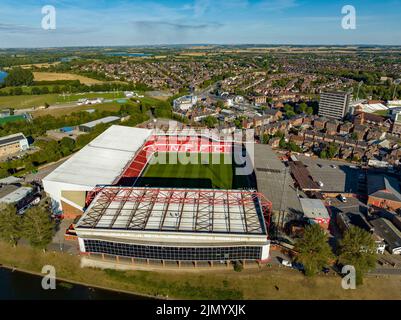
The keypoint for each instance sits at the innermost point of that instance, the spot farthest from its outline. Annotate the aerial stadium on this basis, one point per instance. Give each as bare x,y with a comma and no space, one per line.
163,197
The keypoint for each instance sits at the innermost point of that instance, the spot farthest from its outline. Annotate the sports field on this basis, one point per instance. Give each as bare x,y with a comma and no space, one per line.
199,175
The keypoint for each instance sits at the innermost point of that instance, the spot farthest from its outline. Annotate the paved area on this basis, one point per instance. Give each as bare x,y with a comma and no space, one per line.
337,176
58,135
353,205
59,243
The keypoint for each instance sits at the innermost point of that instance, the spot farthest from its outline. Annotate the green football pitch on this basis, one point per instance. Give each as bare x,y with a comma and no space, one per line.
202,174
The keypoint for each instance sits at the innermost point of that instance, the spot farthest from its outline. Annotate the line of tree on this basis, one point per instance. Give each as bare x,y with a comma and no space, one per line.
356,248
65,86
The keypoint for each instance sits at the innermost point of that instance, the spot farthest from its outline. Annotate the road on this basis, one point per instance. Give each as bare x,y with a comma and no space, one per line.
203,93
44,171
386,271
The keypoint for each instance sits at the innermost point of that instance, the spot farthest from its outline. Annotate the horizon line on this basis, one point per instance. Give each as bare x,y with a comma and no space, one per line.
207,44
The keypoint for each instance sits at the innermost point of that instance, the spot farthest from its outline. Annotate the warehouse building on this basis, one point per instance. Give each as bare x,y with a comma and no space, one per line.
13,144
88,127
384,192
391,235
315,212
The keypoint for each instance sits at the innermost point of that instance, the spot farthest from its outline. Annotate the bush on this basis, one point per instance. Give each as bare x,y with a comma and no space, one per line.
238,267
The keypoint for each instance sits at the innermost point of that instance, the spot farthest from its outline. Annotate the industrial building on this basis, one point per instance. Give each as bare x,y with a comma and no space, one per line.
185,103
391,235
125,221
384,192
334,104
315,212
13,144
88,127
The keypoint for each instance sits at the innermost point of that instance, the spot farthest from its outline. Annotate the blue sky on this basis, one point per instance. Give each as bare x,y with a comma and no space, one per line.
132,22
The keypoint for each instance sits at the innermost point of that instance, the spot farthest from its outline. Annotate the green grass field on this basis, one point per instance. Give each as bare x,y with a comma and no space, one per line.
11,119
219,176
28,101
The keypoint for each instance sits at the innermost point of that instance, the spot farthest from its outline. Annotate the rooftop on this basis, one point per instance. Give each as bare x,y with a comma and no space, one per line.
16,195
272,178
176,210
103,160
385,187
303,177
314,209
11,139
388,232
100,121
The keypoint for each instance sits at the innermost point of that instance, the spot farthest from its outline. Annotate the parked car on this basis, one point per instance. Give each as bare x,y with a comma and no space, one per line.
326,270
286,263
343,199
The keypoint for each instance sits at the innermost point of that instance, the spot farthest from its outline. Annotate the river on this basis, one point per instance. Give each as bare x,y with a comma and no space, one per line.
21,286
2,76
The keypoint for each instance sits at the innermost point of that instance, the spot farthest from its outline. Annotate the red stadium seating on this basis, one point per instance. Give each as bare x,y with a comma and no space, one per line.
189,144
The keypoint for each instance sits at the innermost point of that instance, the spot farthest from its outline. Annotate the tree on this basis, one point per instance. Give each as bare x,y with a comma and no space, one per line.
210,121
265,138
38,228
10,224
332,150
67,146
358,249
303,107
323,154
313,250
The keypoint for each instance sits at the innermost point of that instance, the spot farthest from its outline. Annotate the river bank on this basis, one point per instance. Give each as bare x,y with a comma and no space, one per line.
265,283
140,283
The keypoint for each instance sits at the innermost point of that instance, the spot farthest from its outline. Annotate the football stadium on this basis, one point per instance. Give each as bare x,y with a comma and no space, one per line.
163,197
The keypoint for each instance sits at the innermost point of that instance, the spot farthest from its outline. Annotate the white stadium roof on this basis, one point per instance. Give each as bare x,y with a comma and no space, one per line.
103,160
374,107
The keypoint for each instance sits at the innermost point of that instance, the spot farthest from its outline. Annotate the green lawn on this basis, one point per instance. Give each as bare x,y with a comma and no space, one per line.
11,119
198,175
28,101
